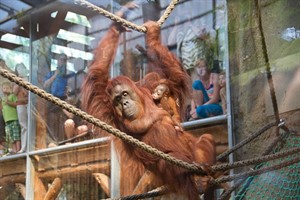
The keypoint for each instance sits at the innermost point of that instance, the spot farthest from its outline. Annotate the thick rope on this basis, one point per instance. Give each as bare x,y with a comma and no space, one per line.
228,178
125,22
246,141
89,118
258,160
267,64
167,12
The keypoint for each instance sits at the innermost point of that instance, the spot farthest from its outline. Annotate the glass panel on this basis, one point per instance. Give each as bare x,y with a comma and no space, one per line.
265,67
63,41
14,57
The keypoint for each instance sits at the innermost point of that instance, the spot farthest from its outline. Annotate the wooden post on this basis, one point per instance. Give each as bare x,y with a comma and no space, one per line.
39,188
54,189
104,182
21,188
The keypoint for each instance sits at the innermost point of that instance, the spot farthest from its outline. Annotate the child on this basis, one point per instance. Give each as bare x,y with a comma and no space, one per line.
222,83
22,100
10,115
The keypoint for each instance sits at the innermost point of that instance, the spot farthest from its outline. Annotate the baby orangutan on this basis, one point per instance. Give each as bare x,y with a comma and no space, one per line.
163,99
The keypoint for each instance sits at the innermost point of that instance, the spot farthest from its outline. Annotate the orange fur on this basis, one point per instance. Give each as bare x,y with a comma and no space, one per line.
153,126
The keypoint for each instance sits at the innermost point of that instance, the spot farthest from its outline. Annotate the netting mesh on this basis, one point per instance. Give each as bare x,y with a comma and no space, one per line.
279,184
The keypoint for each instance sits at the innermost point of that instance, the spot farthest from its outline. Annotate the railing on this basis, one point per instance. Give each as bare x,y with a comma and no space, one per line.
202,122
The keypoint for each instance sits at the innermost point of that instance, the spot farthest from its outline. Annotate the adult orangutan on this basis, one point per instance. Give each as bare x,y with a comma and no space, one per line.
129,107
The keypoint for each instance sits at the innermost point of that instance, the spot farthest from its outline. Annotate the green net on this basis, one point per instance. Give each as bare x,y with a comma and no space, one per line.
279,184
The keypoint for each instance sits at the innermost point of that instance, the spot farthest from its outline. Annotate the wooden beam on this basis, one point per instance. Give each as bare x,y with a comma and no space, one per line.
40,188
147,180
14,178
103,167
21,188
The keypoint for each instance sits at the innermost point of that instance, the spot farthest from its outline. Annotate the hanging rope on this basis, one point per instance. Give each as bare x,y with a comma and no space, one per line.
125,22
267,64
167,12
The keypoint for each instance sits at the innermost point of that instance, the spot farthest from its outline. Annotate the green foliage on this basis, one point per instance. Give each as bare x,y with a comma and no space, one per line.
209,45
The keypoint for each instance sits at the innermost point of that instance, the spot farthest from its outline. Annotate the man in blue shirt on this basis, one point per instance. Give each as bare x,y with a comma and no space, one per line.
56,81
